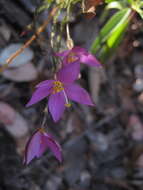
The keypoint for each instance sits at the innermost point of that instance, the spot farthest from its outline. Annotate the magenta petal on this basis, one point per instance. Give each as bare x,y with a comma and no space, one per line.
90,60
56,105
45,83
55,148
78,94
32,148
38,144
66,61
43,146
38,95
69,73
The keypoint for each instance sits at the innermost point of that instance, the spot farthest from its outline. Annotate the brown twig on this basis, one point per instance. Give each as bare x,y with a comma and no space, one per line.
39,30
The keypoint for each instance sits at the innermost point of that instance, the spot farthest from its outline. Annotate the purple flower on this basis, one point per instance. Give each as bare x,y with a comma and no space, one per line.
38,144
60,90
79,55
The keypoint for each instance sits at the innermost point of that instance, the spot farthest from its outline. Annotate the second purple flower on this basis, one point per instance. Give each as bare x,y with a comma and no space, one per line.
78,55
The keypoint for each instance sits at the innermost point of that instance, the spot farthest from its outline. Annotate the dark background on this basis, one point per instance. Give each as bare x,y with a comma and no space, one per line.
102,146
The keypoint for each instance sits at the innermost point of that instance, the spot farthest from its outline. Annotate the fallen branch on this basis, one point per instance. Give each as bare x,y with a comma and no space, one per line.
39,30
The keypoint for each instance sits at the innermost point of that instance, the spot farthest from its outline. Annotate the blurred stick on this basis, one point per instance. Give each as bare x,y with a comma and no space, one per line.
39,30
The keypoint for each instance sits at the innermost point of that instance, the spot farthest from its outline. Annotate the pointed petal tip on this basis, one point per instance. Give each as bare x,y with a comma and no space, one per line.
55,148
59,156
28,104
38,95
54,116
25,163
60,159
56,105
92,104
97,64
55,119
78,94
89,103
90,60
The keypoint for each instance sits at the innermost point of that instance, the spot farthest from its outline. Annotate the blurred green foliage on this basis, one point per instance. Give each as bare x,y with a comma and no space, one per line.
112,33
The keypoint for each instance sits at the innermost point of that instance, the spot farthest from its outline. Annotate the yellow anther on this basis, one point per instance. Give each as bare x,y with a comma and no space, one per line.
72,57
42,130
58,86
68,105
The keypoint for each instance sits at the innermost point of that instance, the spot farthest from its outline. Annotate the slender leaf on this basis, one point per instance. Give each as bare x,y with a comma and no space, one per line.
110,32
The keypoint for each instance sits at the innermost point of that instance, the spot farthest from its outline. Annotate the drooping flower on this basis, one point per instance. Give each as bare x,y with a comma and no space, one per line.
78,55
38,144
60,90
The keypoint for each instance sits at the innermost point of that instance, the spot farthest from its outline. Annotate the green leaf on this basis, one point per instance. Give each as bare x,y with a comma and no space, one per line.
112,30
114,5
109,1
130,1
119,29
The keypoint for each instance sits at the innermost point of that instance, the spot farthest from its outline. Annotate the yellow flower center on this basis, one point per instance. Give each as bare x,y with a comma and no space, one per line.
72,57
58,86
42,130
